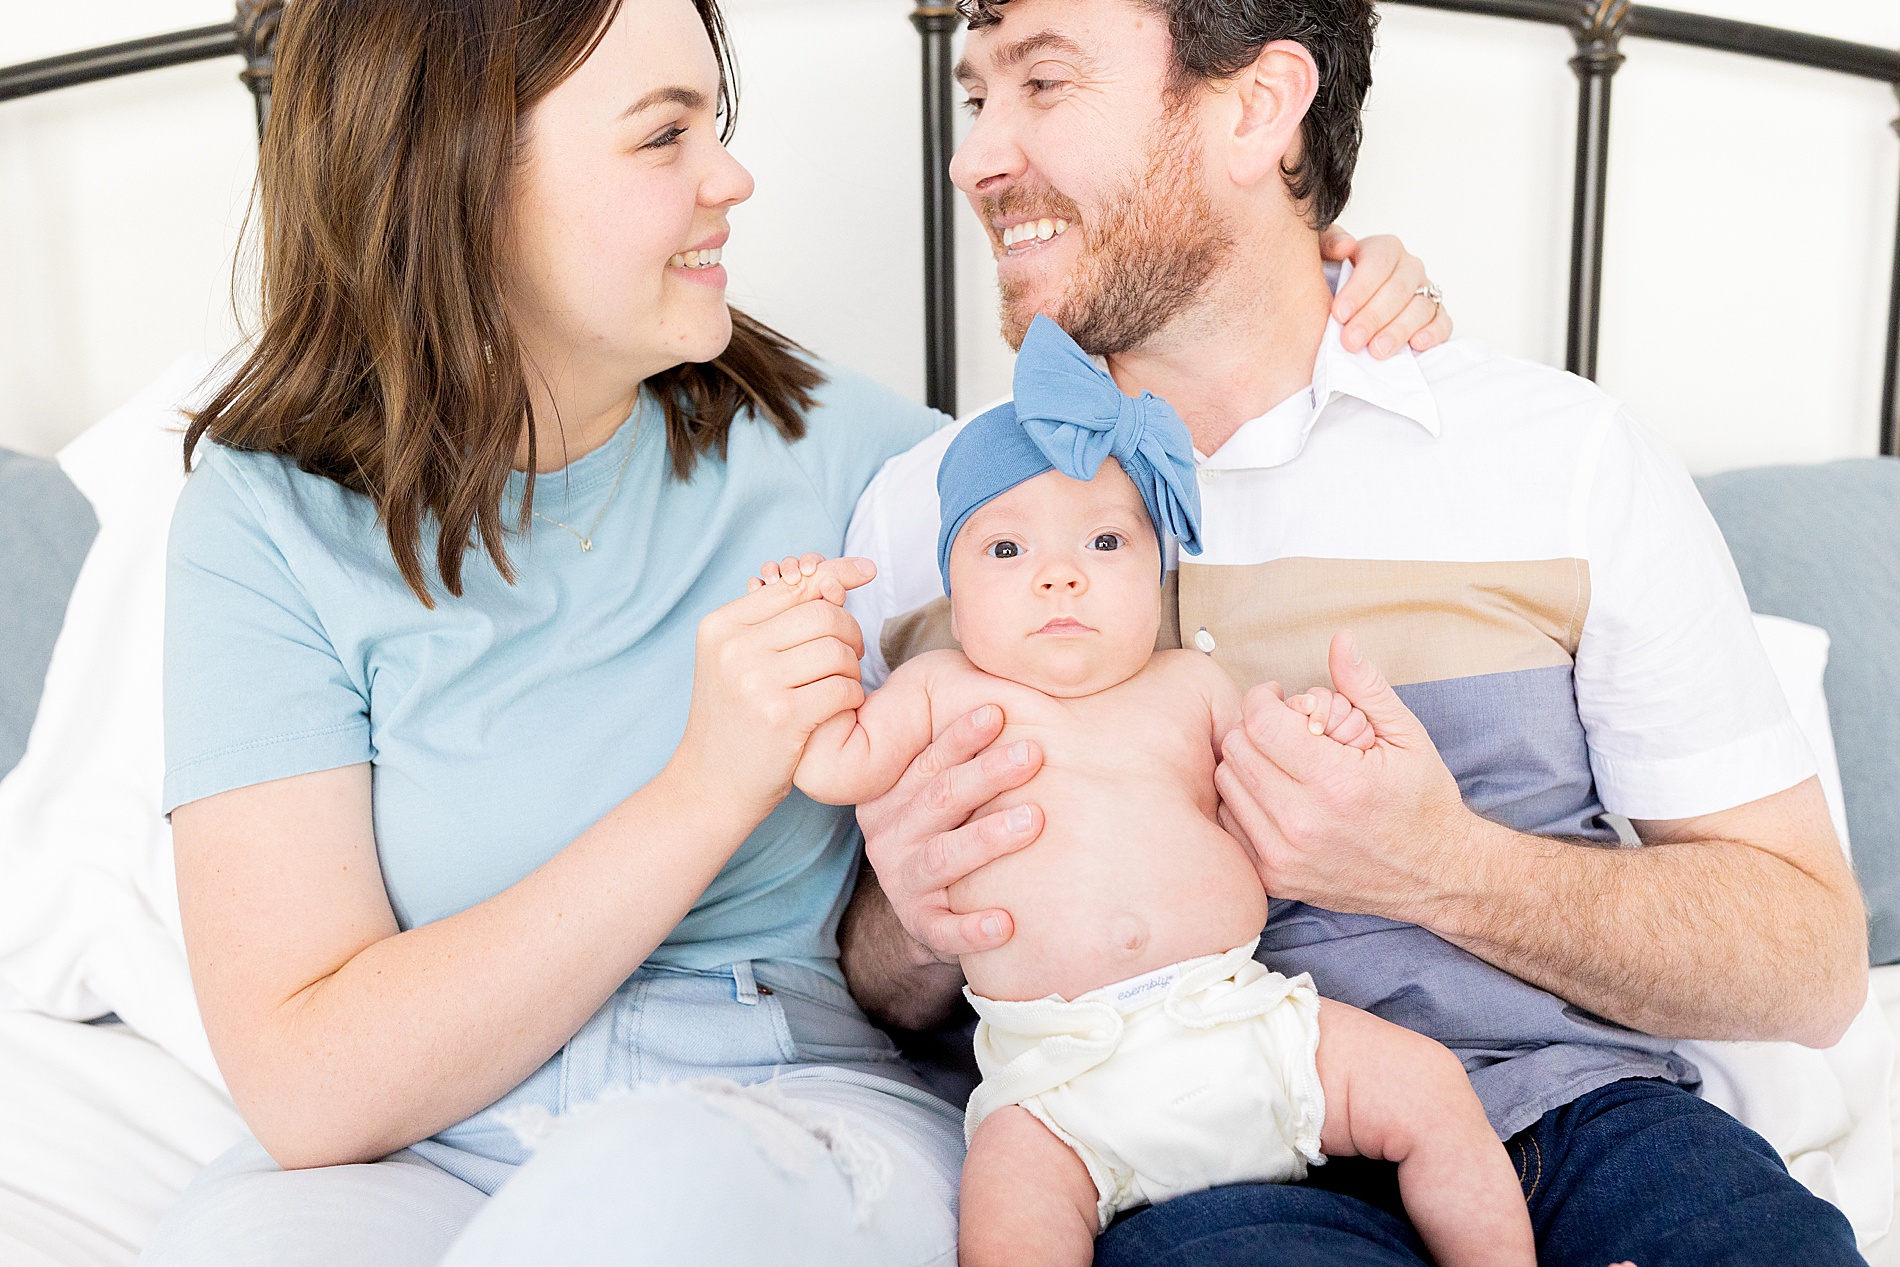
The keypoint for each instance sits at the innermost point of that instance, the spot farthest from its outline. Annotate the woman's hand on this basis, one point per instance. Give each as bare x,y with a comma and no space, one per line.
767,670
1380,304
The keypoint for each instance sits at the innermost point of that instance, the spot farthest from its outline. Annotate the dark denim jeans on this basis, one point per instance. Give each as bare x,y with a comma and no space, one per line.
1637,1170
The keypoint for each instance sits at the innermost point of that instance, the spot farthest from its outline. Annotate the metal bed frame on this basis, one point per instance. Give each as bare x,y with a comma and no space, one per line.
1599,27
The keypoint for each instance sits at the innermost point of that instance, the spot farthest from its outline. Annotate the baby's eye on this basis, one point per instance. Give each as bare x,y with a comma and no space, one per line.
1004,550
1107,541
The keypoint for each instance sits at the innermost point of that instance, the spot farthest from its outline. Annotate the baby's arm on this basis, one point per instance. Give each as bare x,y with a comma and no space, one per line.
860,753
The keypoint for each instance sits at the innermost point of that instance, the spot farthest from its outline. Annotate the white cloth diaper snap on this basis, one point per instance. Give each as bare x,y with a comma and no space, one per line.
1200,1074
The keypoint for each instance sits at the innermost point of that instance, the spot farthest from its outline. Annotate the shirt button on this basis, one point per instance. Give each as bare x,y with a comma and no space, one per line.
1204,642
1208,476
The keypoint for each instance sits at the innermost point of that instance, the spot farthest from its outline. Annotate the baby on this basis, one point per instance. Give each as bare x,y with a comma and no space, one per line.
1132,1049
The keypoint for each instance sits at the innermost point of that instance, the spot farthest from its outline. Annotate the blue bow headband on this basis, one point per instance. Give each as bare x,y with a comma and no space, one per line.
1067,416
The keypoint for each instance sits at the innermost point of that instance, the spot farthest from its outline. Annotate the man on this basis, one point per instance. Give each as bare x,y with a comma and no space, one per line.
1530,567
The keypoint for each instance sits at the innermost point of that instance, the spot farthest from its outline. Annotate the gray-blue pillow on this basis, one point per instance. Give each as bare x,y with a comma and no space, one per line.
46,527
1821,544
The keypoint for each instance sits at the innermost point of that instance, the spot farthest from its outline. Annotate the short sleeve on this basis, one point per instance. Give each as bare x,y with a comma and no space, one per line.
254,690
1682,709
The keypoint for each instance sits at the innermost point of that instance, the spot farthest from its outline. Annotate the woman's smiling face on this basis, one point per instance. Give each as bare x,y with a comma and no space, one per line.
620,206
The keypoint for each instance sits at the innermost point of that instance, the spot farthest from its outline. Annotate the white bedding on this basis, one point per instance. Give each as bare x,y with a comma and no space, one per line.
99,1132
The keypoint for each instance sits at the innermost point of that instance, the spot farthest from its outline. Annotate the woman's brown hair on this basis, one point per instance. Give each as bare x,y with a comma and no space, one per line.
385,360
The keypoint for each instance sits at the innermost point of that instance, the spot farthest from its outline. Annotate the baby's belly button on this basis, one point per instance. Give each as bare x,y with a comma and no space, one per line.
1128,932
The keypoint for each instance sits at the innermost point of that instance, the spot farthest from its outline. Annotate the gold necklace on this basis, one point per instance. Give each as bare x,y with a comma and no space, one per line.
587,541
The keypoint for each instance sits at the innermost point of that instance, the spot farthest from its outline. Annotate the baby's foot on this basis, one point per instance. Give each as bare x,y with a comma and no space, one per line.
1330,713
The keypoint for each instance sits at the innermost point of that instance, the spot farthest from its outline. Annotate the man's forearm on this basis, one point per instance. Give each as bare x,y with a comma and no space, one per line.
1686,938
897,982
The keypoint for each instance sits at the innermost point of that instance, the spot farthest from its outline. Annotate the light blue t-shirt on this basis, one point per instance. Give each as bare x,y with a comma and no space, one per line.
502,724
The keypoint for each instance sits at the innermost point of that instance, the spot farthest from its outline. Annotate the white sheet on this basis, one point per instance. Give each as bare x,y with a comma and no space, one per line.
99,1133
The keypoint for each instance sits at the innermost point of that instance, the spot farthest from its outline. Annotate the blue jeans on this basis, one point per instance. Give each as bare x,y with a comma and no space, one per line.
1638,1170
746,1115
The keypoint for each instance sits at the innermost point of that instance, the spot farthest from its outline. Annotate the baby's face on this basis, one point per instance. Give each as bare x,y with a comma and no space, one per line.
1057,583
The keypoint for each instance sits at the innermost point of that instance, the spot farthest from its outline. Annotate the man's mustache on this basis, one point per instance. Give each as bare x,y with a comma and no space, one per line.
1022,200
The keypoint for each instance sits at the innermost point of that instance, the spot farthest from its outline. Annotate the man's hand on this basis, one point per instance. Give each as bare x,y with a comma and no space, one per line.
1742,924
920,840
899,941
1363,830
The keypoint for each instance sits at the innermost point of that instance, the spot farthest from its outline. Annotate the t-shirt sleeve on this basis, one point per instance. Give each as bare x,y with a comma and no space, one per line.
254,690
1682,709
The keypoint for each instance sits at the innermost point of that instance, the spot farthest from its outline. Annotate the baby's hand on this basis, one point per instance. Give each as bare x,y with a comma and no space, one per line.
1330,713
808,572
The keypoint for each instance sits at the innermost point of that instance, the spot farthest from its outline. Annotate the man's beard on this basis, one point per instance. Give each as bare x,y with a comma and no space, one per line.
1147,255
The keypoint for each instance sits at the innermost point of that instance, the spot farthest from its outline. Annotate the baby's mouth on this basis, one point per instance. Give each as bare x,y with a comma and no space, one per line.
1065,625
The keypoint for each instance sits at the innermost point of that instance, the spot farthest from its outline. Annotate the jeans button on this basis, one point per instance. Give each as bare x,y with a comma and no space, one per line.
766,991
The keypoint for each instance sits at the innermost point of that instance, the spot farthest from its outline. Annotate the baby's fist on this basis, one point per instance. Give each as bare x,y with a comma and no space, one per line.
1329,713
789,570
812,576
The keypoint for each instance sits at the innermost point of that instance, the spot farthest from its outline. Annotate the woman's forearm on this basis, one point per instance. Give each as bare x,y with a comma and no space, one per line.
417,1030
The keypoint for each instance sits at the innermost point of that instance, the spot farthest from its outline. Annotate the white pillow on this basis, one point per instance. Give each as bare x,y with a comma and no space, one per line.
88,904
1828,1113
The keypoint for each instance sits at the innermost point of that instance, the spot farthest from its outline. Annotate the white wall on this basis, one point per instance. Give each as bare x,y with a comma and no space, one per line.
1751,223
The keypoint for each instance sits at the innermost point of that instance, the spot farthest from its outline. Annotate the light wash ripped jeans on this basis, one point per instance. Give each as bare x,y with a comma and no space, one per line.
746,1115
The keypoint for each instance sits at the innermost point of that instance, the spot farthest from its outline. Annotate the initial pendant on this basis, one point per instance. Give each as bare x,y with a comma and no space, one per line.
587,543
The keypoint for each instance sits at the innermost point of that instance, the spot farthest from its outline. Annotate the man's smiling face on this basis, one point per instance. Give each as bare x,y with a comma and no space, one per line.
1087,171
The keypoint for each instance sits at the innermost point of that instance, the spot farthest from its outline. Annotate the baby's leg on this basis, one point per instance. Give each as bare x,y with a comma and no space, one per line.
1398,1096
1027,1198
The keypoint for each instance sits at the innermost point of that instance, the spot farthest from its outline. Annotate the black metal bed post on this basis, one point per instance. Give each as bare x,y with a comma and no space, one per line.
1600,27
937,22
1890,395
256,27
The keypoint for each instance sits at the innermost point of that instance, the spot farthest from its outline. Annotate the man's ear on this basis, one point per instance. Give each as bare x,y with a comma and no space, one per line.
1271,98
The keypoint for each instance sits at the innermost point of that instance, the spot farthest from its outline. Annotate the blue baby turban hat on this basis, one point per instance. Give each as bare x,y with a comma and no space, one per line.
1068,416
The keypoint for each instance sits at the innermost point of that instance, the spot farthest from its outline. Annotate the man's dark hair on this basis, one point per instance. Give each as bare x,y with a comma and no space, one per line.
1217,39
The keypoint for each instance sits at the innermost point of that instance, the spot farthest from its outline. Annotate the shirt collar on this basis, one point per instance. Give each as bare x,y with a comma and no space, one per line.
1396,386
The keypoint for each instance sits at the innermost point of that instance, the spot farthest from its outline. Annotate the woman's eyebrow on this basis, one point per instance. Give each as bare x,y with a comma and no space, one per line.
691,98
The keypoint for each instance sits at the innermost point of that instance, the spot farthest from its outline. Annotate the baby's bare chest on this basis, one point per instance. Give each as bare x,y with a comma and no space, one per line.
1118,744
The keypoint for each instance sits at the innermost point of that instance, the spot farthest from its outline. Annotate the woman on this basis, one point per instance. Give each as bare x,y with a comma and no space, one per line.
479,767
